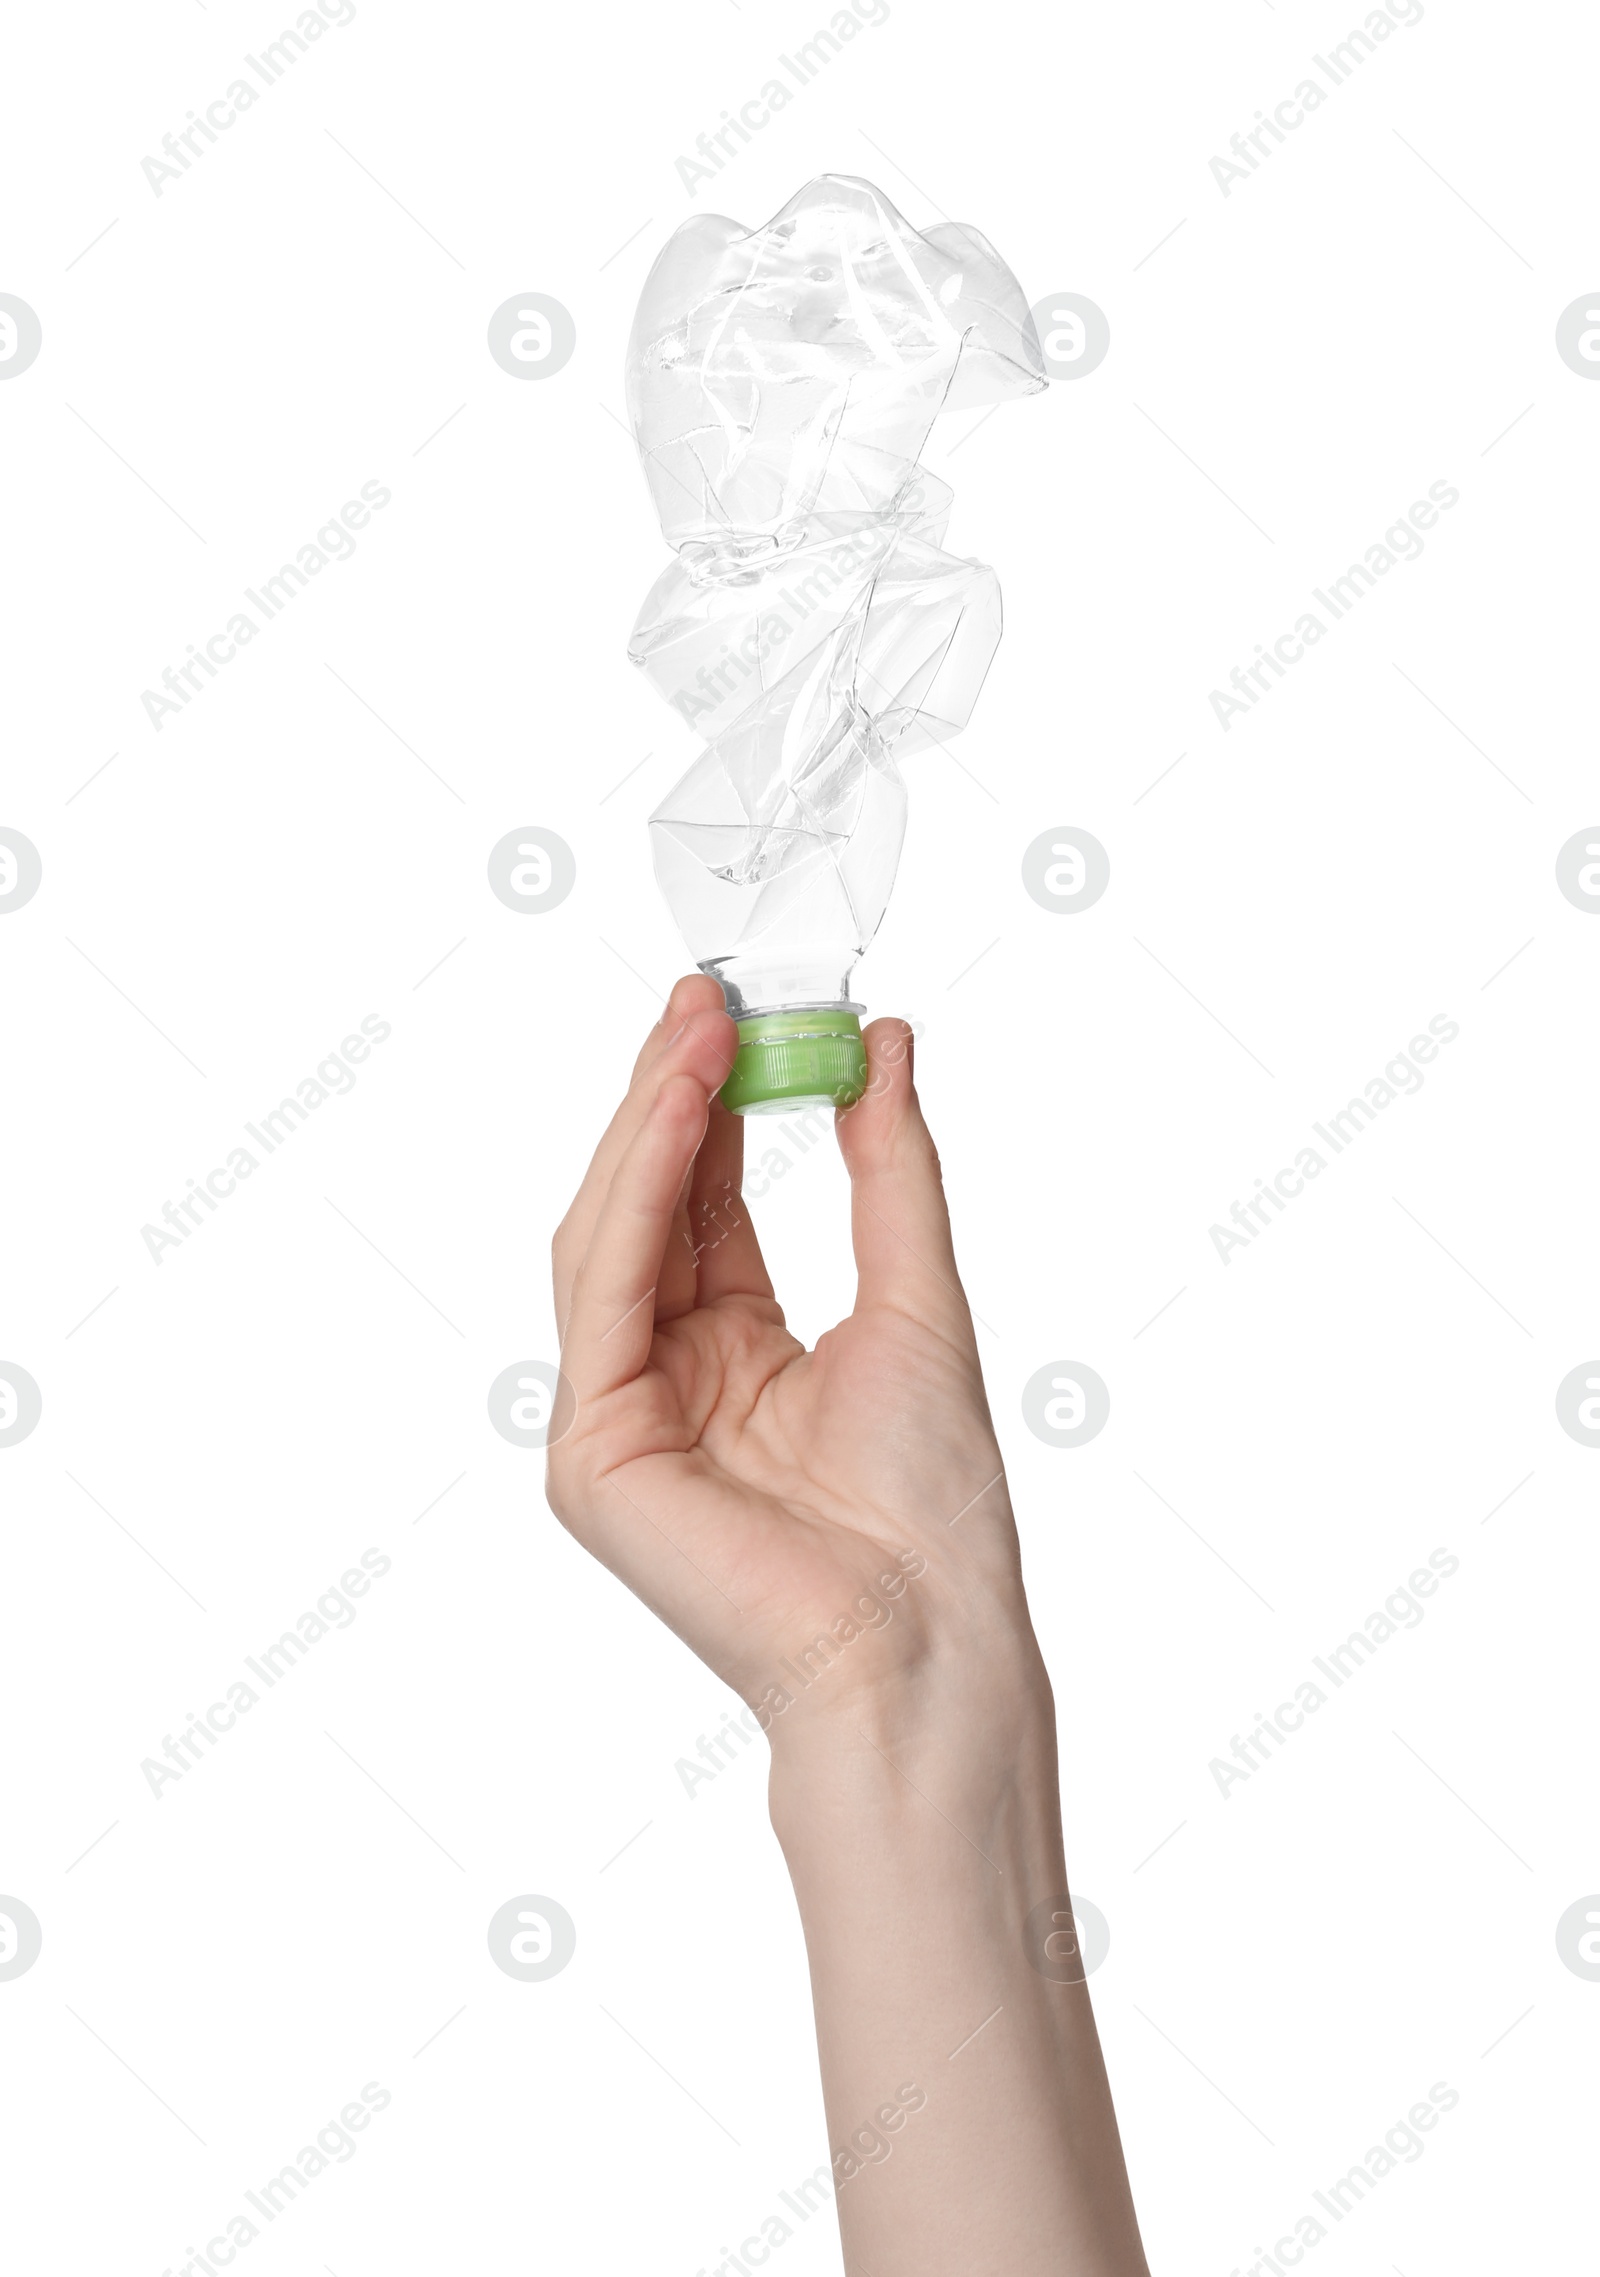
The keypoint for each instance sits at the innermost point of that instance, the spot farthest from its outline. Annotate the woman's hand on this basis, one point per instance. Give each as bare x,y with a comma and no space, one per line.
846,1504
830,1531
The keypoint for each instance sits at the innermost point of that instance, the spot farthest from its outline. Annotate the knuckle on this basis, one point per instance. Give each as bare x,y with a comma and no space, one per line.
562,1483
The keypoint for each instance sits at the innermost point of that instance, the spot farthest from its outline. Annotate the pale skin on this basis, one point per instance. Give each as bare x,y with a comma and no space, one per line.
760,1497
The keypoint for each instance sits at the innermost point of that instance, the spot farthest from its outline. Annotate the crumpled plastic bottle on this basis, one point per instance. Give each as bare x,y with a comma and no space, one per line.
781,385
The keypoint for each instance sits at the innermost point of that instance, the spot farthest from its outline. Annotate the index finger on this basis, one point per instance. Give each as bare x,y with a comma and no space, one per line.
607,1337
694,1036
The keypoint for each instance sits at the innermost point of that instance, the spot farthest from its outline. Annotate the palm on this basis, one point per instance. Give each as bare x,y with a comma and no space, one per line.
776,1487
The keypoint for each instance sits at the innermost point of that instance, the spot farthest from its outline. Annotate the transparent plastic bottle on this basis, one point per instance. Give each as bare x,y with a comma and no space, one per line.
781,385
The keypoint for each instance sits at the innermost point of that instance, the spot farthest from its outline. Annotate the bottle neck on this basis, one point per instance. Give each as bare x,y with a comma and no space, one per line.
755,984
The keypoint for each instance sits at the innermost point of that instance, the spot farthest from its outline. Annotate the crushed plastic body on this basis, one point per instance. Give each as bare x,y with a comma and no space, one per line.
781,386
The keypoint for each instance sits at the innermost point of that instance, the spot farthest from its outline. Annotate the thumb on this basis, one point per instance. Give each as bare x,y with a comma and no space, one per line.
899,1220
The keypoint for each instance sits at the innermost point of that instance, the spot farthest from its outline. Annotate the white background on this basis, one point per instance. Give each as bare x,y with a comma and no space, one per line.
1372,311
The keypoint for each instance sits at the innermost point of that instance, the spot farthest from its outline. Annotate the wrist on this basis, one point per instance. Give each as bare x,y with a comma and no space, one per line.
968,1750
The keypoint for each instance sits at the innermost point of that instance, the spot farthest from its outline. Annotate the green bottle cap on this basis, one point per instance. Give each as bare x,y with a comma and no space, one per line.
797,1059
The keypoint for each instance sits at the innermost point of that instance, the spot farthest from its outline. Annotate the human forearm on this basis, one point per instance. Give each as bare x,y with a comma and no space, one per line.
967,2103
835,1520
